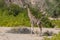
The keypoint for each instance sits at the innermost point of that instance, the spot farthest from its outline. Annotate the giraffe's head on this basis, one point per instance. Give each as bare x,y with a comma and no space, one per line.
26,3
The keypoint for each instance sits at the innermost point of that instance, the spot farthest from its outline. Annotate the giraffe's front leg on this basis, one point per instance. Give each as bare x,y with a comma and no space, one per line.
32,27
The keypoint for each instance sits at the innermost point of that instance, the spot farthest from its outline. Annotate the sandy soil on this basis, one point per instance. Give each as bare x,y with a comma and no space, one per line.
9,36
12,36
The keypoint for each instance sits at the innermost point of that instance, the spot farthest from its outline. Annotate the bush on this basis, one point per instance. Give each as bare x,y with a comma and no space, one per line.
56,23
14,9
47,23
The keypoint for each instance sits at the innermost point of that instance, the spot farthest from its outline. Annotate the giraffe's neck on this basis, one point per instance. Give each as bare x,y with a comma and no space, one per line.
31,16
29,13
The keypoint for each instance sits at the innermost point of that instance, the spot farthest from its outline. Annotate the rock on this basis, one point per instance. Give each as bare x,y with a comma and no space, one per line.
48,33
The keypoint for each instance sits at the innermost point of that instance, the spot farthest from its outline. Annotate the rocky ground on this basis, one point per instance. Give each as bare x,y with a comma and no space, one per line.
6,34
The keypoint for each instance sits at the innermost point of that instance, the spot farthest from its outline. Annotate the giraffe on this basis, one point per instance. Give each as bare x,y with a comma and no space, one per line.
34,20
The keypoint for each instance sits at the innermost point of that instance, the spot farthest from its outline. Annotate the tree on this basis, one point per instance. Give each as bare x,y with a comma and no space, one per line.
53,8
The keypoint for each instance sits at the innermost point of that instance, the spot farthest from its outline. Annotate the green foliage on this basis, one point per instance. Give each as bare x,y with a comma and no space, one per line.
2,3
47,23
54,37
14,9
56,23
56,11
53,8
10,20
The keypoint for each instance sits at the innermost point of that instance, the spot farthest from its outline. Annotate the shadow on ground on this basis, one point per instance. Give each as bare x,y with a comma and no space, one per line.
27,31
20,31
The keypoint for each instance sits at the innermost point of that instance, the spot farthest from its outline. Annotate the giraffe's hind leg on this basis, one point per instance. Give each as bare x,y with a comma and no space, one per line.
40,29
